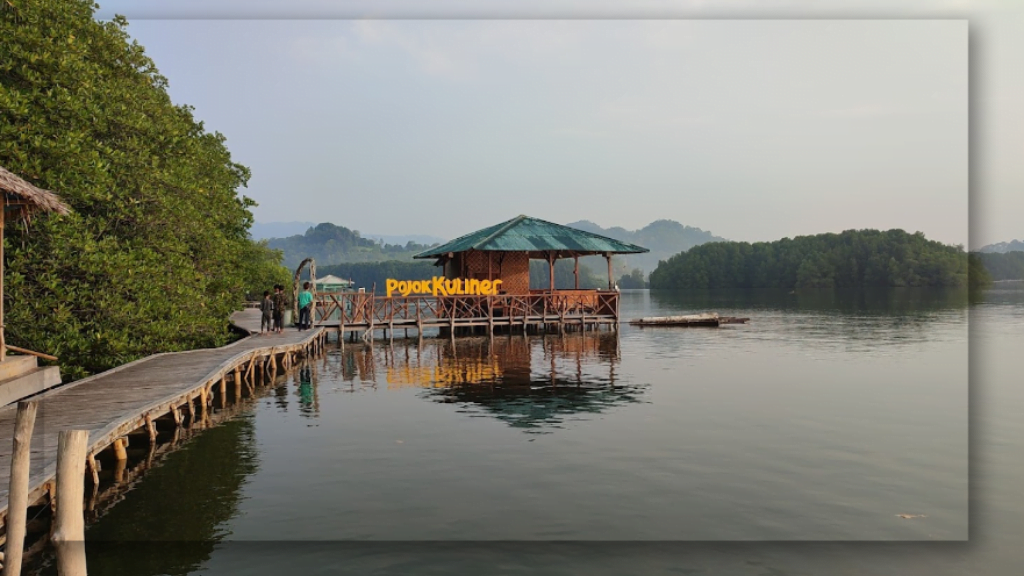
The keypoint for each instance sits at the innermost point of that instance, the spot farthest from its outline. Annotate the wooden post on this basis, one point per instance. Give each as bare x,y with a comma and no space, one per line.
69,530
576,271
151,427
17,507
94,469
608,257
119,449
223,391
551,271
176,414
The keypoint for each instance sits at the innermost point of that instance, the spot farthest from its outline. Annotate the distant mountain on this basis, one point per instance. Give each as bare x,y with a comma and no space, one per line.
403,240
332,244
1003,247
267,230
664,239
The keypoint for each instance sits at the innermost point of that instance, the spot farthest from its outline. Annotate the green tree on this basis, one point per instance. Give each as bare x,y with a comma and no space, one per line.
156,253
854,258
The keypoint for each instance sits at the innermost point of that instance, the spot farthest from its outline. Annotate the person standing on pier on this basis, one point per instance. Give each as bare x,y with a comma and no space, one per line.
267,308
280,304
305,307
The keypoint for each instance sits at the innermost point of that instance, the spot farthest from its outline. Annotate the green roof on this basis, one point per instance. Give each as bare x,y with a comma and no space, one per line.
526,234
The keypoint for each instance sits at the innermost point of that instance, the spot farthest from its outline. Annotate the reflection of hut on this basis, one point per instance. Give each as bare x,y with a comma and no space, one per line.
20,376
332,283
503,252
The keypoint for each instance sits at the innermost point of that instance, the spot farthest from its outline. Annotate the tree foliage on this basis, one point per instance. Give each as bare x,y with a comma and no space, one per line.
1001,266
332,244
540,275
854,258
634,280
155,255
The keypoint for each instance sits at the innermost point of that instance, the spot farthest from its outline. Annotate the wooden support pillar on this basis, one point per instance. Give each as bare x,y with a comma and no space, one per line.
69,526
611,284
203,401
576,271
191,412
176,414
151,428
223,391
120,445
551,271
94,468
17,508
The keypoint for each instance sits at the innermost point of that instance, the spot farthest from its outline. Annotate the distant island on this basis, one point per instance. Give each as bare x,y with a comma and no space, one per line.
1003,247
854,258
1003,265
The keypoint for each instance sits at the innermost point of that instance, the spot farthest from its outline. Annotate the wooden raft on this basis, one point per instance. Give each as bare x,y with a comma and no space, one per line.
710,319
131,397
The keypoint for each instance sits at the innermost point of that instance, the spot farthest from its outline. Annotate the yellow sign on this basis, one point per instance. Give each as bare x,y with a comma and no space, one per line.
439,286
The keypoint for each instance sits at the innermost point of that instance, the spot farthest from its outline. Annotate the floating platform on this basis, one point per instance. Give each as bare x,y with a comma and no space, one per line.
711,319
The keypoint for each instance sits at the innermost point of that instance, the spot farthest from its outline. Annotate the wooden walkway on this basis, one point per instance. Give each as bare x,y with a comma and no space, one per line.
178,387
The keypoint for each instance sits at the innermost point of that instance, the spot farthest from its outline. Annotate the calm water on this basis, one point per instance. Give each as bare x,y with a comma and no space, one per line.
822,420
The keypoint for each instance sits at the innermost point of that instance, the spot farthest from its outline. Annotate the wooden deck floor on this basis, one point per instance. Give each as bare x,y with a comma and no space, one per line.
116,402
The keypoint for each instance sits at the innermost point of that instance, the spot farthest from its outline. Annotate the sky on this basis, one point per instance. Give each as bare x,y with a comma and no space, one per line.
752,129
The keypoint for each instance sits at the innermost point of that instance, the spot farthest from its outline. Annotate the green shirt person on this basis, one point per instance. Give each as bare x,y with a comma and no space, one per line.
305,307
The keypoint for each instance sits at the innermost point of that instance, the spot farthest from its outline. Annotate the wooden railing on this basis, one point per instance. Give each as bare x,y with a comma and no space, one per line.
357,308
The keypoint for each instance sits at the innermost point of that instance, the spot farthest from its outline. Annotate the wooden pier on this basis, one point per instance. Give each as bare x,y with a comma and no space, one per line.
366,312
173,390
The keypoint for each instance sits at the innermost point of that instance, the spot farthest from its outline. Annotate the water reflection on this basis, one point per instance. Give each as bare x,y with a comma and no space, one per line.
883,320
202,482
534,383
870,301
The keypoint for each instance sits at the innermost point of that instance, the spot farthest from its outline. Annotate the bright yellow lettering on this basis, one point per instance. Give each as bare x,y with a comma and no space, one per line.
474,286
391,285
485,288
496,282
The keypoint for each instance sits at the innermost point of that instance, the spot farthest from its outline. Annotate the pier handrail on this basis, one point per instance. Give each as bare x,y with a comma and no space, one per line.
31,352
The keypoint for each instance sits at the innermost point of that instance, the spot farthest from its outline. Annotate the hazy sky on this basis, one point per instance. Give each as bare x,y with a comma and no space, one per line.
754,130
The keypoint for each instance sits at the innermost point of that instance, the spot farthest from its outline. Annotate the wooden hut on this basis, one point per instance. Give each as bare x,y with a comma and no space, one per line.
503,252
332,283
22,377
474,265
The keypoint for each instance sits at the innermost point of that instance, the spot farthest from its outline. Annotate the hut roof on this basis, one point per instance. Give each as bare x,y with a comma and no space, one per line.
29,196
526,234
332,279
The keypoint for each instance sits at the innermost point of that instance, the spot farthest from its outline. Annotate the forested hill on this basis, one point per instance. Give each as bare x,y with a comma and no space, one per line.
332,244
664,238
1003,247
854,258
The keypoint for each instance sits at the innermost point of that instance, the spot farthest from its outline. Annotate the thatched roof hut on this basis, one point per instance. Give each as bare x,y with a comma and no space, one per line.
19,193
25,199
